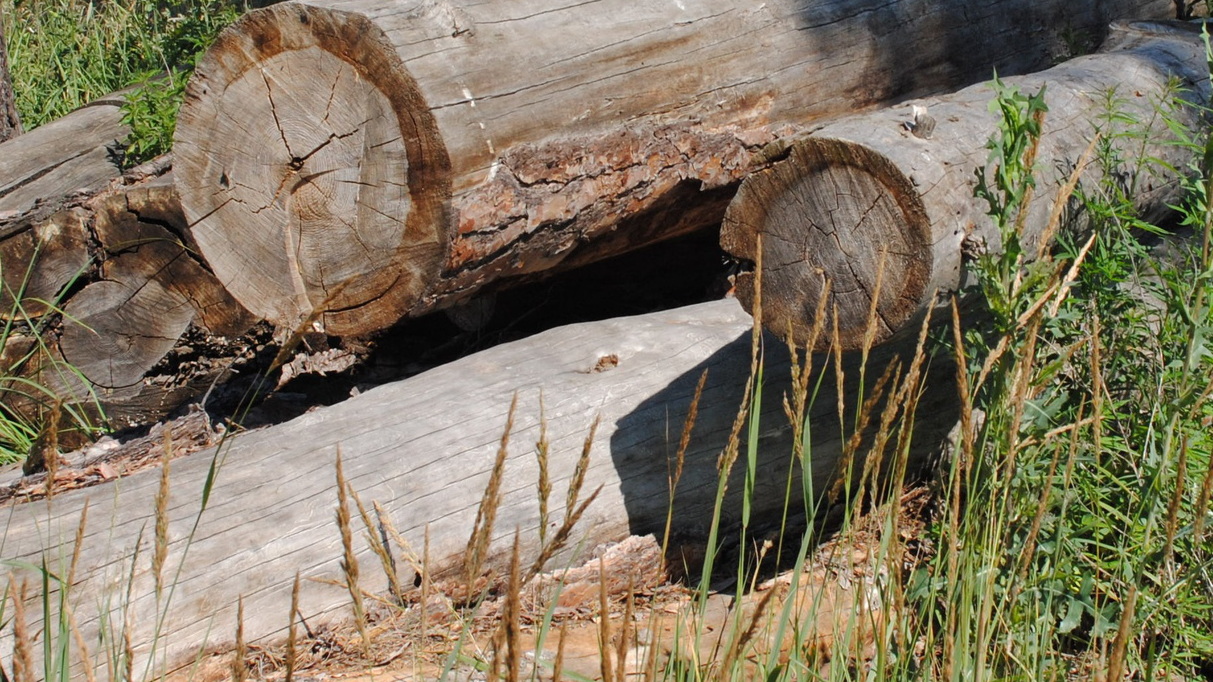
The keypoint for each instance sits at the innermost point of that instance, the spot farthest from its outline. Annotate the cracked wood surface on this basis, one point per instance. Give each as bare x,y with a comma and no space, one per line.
865,188
371,159
424,448
124,272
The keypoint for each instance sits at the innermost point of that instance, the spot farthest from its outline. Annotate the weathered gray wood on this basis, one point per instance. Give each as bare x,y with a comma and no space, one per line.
372,158
865,185
10,118
74,154
424,447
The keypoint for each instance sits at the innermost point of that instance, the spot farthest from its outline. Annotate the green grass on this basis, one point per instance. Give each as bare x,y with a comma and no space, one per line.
1069,533
29,407
66,53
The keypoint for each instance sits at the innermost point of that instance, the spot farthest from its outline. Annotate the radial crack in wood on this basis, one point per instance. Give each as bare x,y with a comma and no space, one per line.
315,169
863,199
371,159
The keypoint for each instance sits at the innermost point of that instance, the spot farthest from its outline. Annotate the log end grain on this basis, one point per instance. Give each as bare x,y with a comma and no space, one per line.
832,211
311,171
38,264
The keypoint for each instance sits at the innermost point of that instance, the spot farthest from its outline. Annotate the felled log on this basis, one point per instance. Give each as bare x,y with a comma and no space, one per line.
867,189
47,167
98,263
424,448
111,282
374,159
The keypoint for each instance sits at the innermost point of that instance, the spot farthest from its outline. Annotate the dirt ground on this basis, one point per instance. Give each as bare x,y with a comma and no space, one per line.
651,621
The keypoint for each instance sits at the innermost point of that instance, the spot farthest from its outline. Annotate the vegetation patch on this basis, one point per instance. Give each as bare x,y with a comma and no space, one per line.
90,48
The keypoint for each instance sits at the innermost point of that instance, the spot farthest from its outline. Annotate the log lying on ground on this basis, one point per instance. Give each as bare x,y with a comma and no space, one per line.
98,263
373,158
424,448
865,187
121,268
45,168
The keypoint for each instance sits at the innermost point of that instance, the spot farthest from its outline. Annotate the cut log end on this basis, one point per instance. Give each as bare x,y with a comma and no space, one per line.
297,170
835,212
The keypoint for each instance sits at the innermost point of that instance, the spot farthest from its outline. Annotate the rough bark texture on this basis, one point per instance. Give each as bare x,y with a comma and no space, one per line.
865,189
371,159
424,448
10,118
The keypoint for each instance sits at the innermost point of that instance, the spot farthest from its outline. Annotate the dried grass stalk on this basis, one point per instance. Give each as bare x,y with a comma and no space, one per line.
583,465
1120,645
604,625
376,537
23,654
486,514
513,613
77,544
86,658
680,460
542,450
128,654
558,664
738,645
160,551
625,636
349,561
291,659
48,445
561,538
240,655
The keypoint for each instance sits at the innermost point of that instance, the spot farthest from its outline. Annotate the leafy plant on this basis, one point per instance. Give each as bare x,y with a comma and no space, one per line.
1070,536
151,112
90,48
151,108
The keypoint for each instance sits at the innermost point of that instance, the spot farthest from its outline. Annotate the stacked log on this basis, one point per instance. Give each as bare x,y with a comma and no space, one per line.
99,272
374,159
425,448
869,189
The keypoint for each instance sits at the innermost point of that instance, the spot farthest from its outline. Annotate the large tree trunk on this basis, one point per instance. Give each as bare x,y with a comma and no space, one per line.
424,448
10,118
865,189
369,159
